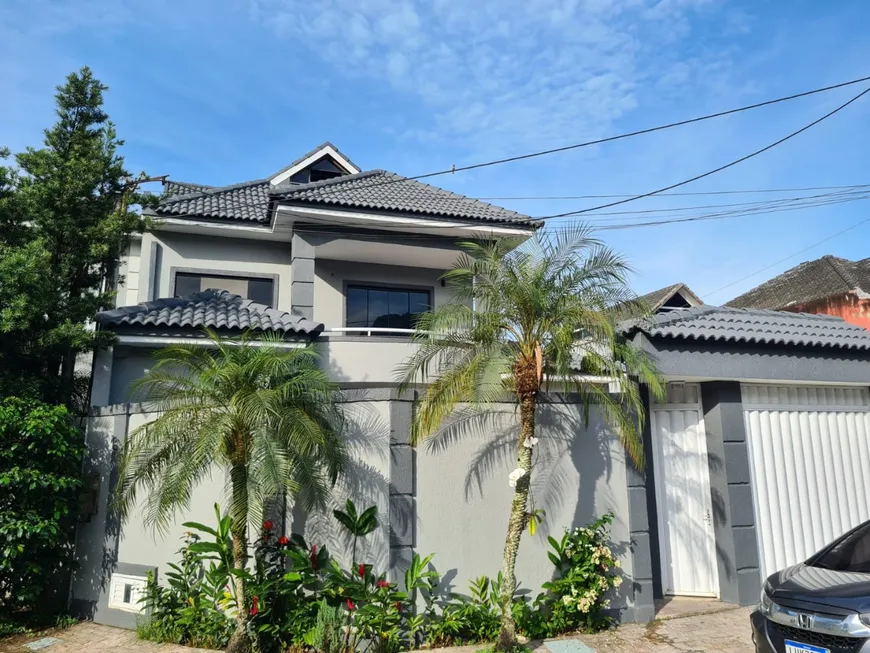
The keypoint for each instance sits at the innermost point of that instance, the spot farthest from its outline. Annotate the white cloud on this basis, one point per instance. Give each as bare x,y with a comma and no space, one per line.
499,74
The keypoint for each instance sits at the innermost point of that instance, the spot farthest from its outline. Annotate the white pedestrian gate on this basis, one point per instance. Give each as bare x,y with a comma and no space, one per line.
682,479
809,460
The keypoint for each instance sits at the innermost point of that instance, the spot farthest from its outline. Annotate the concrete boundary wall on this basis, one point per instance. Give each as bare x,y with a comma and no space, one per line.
448,496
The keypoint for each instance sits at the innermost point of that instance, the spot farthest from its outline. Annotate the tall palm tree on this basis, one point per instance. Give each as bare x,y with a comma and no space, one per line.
263,414
526,314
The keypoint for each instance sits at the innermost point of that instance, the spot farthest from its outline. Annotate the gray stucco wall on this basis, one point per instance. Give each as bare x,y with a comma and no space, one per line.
731,491
449,496
230,256
463,496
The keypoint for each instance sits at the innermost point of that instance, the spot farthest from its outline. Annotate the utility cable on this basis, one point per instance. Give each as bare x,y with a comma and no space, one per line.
790,256
715,170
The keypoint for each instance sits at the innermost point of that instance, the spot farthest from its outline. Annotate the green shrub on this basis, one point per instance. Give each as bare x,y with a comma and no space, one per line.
327,635
40,476
192,608
576,599
300,598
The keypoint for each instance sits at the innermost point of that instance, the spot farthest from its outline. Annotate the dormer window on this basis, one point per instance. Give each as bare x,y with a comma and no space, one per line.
319,171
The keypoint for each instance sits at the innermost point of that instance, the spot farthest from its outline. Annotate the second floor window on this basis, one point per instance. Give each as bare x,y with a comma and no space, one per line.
377,307
253,288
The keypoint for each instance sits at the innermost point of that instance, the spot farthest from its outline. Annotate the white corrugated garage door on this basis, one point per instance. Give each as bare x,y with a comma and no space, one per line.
809,459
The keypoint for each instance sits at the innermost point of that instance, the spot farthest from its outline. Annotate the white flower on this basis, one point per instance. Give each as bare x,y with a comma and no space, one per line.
617,581
617,563
567,600
530,442
516,475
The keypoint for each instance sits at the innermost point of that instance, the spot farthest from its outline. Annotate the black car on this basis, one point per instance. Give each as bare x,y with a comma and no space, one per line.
821,605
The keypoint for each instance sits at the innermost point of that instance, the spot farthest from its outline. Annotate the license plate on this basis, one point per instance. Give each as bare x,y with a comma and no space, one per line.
797,647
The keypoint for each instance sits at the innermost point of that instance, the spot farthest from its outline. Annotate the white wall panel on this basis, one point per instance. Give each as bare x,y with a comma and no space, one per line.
809,458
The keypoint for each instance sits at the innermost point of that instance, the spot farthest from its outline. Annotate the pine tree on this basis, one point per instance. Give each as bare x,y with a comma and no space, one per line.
65,212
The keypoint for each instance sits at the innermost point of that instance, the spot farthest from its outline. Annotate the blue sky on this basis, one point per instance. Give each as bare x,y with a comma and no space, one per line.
228,90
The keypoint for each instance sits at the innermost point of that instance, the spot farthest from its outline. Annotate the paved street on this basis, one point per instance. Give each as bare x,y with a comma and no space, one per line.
725,631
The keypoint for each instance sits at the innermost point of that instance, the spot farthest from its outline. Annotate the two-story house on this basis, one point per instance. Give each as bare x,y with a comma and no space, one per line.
323,251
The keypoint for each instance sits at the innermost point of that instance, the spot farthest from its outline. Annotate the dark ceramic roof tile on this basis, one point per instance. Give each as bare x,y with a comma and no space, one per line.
750,326
246,201
171,188
217,309
380,190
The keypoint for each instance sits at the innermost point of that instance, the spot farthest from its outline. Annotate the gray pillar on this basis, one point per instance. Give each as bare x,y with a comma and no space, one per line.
641,501
403,509
731,493
302,276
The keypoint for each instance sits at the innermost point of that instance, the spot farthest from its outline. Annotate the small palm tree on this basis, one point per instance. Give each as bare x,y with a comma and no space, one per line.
527,314
264,414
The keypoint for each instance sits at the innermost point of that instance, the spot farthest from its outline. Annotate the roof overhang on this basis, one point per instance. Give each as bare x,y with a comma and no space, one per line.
402,223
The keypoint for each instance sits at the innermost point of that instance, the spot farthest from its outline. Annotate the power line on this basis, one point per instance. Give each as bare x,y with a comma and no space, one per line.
757,203
715,170
641,132
610,139
723,216
790,256
665,195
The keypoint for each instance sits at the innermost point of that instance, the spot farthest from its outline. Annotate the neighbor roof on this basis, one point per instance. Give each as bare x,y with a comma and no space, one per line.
376,190
212,308
657,298
751,326
825,277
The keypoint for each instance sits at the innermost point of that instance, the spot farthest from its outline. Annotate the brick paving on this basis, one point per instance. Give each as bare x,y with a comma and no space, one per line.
725,631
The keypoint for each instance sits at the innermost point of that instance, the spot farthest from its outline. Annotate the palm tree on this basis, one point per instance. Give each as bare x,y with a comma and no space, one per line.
262,412
526,314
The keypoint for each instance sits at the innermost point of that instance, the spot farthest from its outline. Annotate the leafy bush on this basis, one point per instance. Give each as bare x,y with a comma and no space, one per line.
40,475
328,632
300,598
576,598
192,608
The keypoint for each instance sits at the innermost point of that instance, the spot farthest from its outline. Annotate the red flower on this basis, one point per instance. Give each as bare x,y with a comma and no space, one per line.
362,570
267,525
255,606
313,556
350,604
398,606
383,583
283,541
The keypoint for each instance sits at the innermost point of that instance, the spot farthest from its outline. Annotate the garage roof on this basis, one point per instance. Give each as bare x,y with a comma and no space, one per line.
751,326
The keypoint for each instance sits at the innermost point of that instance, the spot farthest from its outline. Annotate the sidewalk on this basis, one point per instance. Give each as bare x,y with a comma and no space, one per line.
726,631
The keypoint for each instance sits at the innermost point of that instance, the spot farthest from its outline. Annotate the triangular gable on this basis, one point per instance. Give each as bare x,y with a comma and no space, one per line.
325,153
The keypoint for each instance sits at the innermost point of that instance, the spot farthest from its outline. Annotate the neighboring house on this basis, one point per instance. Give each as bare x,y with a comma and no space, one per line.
829,285
759,455
322,251
670,298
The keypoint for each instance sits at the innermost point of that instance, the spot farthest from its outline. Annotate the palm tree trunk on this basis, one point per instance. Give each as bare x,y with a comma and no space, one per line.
240,642
507,636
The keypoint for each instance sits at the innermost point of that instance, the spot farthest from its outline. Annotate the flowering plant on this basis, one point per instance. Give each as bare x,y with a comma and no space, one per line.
587,574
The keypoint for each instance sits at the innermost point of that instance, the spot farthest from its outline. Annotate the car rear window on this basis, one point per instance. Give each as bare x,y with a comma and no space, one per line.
852,553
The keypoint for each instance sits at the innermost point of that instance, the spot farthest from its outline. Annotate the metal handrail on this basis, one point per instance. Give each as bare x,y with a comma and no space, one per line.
370,330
